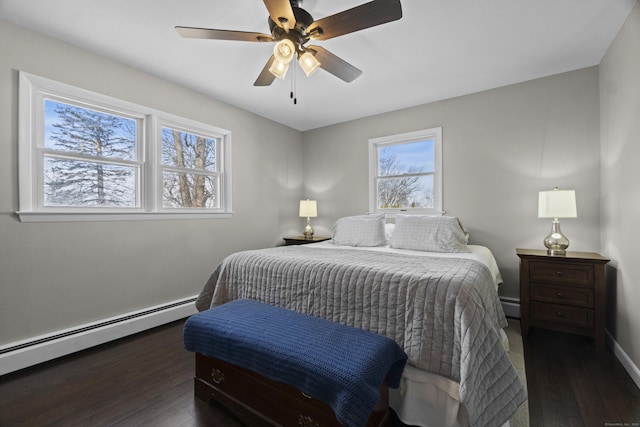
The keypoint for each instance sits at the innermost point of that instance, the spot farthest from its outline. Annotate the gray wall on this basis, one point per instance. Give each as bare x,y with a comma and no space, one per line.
59,275
500,147
620,125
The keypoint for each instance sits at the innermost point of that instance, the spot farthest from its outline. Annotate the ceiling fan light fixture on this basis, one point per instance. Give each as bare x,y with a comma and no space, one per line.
279,69
291,27
284,51
308,63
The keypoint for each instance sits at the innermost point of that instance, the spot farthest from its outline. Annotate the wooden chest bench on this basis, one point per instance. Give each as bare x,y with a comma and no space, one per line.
257,384
260,401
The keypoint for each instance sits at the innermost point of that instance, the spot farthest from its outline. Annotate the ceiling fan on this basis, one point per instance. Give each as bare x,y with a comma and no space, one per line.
293,27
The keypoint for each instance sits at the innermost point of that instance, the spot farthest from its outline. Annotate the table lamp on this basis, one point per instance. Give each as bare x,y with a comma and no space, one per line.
557,204
308,209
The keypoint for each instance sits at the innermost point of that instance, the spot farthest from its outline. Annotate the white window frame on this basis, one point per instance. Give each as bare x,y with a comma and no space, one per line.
404,138
32,92
181,124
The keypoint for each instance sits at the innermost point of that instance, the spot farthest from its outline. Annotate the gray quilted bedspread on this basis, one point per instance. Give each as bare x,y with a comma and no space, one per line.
444,312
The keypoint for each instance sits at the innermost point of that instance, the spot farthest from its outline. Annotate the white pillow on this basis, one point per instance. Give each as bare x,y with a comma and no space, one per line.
361,230
388,232
429,233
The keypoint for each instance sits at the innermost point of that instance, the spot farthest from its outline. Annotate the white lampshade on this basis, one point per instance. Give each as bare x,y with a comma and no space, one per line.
284,51
308,63
557,204
308,208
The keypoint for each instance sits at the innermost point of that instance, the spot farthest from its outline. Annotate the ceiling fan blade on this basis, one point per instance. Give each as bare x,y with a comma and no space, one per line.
334,65
281,13
266,77
209,33
358,18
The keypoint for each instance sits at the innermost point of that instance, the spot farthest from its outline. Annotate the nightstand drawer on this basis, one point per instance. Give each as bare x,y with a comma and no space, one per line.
561,273
565,314
559,294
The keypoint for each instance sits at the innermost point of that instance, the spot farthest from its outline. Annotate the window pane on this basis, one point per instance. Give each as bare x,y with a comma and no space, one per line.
88,184
80,130
411,157
405,192
187,190
188,150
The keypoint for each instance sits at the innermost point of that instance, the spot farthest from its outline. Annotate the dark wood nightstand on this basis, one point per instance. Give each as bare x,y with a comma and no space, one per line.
563,292
301,240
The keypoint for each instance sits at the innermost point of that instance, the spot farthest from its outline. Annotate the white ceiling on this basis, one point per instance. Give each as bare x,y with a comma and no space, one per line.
438,50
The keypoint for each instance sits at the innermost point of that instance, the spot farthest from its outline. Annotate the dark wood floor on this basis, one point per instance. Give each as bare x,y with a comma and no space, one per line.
571,384
127,383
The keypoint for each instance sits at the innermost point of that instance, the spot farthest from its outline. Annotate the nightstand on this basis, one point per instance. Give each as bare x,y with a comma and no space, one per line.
301,240
564,293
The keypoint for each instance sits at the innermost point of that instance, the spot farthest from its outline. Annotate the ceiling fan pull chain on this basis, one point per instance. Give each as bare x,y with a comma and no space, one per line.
291,84
292,95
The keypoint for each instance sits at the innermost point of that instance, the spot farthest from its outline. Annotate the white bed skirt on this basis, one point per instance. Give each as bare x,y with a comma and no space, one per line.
430,400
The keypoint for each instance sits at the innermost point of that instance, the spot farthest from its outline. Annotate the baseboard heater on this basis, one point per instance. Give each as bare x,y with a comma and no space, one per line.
511,307
29,352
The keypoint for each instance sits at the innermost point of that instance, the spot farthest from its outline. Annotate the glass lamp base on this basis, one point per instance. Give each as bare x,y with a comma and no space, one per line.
308,230
556,242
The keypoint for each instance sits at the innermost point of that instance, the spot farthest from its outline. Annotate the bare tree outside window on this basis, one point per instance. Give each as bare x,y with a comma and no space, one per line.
405,175
395,192
88,157
190,177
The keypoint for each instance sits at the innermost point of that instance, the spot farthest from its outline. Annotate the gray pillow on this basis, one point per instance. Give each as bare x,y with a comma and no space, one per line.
361,230
429,233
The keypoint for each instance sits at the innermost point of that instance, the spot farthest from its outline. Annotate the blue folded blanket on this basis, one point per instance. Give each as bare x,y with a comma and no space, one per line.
340,365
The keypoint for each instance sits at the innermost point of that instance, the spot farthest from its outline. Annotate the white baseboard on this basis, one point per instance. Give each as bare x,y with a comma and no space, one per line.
18,355
511,307
625,360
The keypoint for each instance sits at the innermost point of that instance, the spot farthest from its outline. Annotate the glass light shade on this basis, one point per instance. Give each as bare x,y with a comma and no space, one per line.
557,204
308,208
308,63
284,51
279,69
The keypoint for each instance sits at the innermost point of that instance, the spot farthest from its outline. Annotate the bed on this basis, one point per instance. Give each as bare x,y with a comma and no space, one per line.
417,282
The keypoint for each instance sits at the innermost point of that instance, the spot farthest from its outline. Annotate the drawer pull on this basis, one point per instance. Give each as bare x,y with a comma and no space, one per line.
307,421
560,295
560,314
559,273
217,376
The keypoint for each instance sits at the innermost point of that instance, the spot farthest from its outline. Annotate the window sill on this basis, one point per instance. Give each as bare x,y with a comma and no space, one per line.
116,216
391,213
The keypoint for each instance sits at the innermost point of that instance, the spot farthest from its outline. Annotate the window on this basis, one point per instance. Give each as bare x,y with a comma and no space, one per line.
86,156
405,172
190,177
90,157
